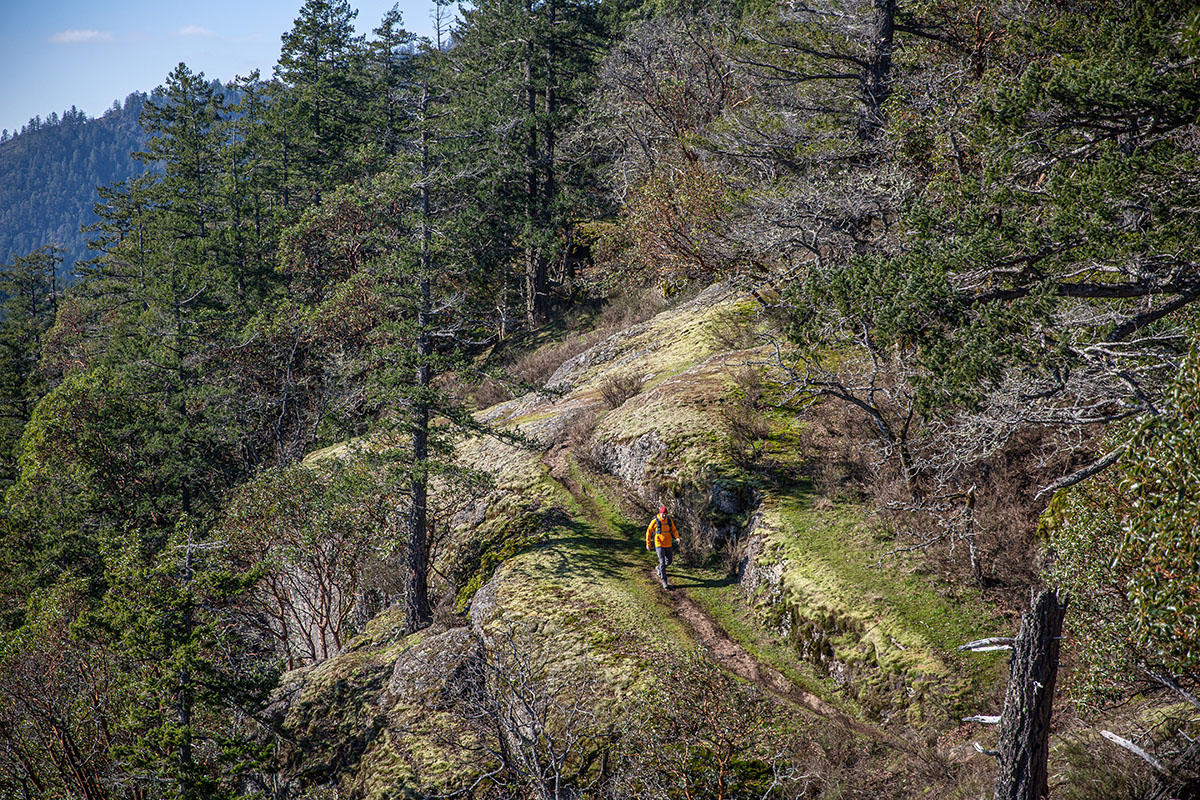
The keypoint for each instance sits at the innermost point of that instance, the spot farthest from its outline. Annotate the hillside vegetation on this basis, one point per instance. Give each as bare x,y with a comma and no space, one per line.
49,171
330,475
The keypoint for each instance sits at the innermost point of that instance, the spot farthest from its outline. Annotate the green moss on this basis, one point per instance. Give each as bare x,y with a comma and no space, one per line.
722,599
572,570
586,589
512,539
885,619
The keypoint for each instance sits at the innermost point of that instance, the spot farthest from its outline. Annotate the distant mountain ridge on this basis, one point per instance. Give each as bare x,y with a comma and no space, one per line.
49,172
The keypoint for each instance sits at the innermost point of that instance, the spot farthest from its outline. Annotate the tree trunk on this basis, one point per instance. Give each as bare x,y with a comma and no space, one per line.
184,698
417,614
550,111
1025,723
535,259
877,83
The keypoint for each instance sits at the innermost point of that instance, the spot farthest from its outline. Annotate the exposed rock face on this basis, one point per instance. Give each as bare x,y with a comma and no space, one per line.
484,606
634,462
711,509
437,670
376,720
545,569
639,348
621,350
720,509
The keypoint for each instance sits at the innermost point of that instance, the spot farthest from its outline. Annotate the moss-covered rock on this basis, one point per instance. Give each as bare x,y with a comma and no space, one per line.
883,635
332,714
555,555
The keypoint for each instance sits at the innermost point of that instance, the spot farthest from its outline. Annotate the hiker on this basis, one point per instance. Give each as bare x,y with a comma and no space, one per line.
662,536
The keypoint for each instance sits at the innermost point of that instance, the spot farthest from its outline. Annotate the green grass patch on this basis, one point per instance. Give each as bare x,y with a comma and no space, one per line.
583,590
894,627
719,595
721,598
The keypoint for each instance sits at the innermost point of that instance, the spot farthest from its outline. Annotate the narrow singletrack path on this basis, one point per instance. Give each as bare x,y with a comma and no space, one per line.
732,656
719,645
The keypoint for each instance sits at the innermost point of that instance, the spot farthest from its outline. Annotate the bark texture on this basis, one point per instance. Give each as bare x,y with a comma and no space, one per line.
1025,723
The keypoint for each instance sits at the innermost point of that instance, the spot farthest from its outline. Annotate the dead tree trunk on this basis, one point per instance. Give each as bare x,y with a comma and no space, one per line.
1025,723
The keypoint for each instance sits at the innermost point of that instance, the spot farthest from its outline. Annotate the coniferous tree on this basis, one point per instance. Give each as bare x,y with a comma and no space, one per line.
29,286
135,446
49,175
321,103
247,240
393,250
184,290
192,690
522,70
390,72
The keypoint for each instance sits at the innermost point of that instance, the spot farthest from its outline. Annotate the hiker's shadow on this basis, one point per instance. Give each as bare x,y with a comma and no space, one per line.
703,583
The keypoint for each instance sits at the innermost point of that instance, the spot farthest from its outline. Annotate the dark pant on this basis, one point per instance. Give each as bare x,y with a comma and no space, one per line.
665,554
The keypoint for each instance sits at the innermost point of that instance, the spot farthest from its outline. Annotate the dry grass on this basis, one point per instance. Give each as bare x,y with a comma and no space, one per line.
578,440
842,451
533,367
620,313
619,388
487,393
733,329
744,417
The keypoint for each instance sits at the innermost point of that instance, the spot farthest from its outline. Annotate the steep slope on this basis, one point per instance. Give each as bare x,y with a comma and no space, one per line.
49,173
561,570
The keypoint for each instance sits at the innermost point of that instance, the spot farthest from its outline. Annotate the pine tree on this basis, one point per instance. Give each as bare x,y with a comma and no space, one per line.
183,288
320,109
246,242
29,286
394,250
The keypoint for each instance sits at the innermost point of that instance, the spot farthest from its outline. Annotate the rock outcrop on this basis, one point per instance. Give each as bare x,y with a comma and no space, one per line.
551,559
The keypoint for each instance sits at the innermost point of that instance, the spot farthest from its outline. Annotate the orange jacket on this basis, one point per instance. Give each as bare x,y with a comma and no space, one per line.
661,535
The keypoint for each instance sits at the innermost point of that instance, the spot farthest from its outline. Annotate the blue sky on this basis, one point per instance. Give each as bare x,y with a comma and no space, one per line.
59,53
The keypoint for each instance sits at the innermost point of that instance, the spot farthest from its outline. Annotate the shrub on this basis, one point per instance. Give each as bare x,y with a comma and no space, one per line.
320,537
619,388
704,733
748,428
733,329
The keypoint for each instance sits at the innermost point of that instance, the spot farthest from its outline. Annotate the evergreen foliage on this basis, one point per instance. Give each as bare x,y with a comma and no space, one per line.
320,114
30,287
1162,538
49,172
521,73
1125,544
1028,216
969,223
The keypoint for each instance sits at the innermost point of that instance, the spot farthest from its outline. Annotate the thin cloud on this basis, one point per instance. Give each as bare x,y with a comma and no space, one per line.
194,30
73,36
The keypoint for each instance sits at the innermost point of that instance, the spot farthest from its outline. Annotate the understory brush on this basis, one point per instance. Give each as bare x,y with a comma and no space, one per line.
619,388
531,365
973,521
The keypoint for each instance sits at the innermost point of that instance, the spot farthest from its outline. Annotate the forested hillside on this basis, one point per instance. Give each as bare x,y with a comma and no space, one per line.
49,171
330,474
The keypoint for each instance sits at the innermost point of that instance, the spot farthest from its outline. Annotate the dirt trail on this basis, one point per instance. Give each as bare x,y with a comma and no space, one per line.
719,644
735,658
